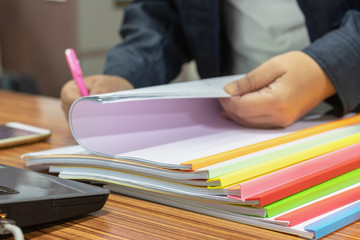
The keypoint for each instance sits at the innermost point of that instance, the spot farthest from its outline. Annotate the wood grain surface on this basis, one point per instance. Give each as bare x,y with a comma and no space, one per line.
122,217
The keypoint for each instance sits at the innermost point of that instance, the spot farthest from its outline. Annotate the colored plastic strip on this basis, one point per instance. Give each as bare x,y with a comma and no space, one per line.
224,156
284,161
335,221
285,182
313,193
283,150
321,207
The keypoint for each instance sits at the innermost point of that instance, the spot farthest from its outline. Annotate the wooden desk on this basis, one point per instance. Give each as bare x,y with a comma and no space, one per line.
122,217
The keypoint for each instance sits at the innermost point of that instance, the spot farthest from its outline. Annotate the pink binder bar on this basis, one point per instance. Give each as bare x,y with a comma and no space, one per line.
321,207
285,182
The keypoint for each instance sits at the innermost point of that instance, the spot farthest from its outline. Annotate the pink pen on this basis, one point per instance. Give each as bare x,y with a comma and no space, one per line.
76,72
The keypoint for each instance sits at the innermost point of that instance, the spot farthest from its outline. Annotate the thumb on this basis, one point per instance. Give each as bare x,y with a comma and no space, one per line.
255,80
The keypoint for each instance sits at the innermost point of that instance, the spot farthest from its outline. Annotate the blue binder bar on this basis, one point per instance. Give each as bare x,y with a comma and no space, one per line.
335,221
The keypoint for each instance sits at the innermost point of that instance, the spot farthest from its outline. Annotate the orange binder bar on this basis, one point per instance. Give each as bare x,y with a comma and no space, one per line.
231,154
280,184
321,207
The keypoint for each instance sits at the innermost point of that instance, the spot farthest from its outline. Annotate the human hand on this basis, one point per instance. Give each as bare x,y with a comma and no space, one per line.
278,92
95,84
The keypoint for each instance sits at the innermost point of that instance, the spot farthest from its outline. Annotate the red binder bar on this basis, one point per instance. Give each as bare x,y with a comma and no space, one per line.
285,182
321,207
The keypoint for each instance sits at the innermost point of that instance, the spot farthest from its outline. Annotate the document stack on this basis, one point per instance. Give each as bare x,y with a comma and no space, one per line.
169,144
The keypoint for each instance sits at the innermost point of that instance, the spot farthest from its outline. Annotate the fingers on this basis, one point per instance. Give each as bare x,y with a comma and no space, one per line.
95,84
99,84
263,121
256,79
267,107
277,93
69,93
258,97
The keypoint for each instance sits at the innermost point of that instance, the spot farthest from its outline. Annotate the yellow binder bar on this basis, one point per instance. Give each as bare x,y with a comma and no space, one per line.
234,153
285,161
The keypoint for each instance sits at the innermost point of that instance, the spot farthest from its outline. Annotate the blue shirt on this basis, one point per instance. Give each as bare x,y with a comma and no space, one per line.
161,35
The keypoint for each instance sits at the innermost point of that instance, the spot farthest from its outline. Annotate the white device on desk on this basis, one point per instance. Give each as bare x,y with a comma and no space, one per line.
14,133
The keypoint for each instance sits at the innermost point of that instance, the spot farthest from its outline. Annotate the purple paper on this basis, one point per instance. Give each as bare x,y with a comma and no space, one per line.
119,127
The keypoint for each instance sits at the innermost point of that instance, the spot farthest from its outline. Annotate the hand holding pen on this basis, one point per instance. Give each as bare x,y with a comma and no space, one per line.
96,84
76,71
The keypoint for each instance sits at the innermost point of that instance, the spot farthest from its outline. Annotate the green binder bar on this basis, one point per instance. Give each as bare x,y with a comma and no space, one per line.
313,193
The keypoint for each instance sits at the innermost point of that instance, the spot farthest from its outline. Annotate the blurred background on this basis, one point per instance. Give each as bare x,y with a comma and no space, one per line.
34,35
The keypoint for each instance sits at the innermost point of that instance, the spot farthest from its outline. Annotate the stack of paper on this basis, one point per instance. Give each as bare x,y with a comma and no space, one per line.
168,144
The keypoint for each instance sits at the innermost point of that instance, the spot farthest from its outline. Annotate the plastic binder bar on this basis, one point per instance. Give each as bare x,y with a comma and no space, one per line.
321,207
313,193
221,157
285,182
285,161
335,221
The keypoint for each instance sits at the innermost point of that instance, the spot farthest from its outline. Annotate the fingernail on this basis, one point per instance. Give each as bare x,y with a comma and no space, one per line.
232,88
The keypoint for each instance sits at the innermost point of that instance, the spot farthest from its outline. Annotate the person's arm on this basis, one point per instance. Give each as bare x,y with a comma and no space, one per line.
288,86
153,47
152,52
338,54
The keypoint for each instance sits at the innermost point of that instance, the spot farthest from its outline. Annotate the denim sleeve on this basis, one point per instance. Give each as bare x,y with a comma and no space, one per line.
153,48
338,54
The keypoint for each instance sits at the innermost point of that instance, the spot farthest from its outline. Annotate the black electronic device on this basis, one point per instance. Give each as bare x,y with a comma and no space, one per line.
32,198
